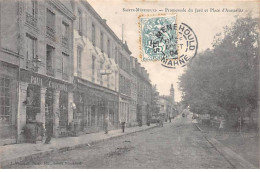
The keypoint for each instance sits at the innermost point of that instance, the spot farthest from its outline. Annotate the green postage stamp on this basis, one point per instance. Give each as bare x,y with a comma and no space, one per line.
163,39
159,37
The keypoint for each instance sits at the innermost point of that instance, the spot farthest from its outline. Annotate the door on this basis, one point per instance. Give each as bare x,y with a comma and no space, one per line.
49,109
63,120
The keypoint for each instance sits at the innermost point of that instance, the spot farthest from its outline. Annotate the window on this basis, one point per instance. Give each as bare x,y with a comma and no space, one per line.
30,47
108,81
65,33
116,81
31,7
31,12
108,48
93,68
101,78
116,55
50,60
50,23
86,24
108,77
128,65
30,50
65,66
80,22
79,54
5,101
102,42
93,35
120,60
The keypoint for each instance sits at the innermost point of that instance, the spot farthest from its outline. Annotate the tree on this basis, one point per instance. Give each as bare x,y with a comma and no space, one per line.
224,81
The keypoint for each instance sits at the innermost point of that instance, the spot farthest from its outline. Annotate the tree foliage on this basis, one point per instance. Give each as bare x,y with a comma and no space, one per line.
224,81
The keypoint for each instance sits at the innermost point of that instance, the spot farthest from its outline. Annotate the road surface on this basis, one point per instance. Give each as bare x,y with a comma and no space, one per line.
176,145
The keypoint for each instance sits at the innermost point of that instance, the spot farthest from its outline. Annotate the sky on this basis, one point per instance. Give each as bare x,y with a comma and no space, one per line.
204,24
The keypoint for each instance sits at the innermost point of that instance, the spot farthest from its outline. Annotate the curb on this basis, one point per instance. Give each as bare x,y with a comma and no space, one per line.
63,149
198,127
235,160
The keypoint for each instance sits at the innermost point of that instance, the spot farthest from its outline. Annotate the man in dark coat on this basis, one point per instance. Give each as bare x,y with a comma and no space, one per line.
123,126
49,132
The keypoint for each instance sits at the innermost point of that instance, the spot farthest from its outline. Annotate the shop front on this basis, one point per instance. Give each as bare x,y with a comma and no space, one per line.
93,103
46,101
8,103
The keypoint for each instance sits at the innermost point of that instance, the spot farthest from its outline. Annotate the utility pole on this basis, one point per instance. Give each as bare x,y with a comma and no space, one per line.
123,33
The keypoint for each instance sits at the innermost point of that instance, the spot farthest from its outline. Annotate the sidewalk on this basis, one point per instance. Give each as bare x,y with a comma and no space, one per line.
10,154
240,149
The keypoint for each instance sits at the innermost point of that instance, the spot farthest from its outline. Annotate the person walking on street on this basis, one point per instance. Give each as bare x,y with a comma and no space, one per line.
49,132
123,126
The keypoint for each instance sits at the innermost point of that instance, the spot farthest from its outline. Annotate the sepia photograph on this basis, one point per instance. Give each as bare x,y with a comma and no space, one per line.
129,84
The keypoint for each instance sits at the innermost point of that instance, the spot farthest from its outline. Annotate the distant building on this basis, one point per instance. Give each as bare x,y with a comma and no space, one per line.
133,107
167,105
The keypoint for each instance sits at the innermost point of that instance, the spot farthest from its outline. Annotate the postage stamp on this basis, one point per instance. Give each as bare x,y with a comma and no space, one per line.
163,39
158,38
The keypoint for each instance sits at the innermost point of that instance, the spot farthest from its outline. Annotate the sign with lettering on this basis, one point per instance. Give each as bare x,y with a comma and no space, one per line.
44,81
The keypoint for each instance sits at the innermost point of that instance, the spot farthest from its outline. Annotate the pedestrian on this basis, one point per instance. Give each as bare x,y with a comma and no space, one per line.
221,125
123,126
170,119
106,124
49,132
161,121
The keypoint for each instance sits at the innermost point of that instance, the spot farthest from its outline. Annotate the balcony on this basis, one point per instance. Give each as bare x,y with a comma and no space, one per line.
30,19
50,31
50,71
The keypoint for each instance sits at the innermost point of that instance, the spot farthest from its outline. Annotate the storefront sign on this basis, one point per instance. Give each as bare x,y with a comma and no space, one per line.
44,81
36,80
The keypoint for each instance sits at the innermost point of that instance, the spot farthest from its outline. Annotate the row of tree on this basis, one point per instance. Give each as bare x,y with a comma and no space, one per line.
223,81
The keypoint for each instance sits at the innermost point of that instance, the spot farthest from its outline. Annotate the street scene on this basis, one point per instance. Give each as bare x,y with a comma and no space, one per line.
112,84
180,142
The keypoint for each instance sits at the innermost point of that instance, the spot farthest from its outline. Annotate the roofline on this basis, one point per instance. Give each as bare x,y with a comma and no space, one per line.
103,23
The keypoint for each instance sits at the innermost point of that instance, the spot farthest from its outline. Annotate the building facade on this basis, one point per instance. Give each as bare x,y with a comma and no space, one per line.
124,84
37,78
168,109
63,67
96,70
144,94
133,87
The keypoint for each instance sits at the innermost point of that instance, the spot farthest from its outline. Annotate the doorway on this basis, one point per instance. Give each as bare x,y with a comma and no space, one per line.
49,109
63,120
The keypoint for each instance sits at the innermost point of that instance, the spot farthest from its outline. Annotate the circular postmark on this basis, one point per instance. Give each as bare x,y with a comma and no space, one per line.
187,45
164,39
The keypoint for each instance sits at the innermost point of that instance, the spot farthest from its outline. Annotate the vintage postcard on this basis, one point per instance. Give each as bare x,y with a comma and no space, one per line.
120,84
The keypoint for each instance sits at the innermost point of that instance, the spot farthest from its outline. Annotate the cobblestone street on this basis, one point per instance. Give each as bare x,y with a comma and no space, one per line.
176,145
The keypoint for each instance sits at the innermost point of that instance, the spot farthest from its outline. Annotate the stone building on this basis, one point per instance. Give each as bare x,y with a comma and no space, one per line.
124,84
167,105
96,72
133,106
36,72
